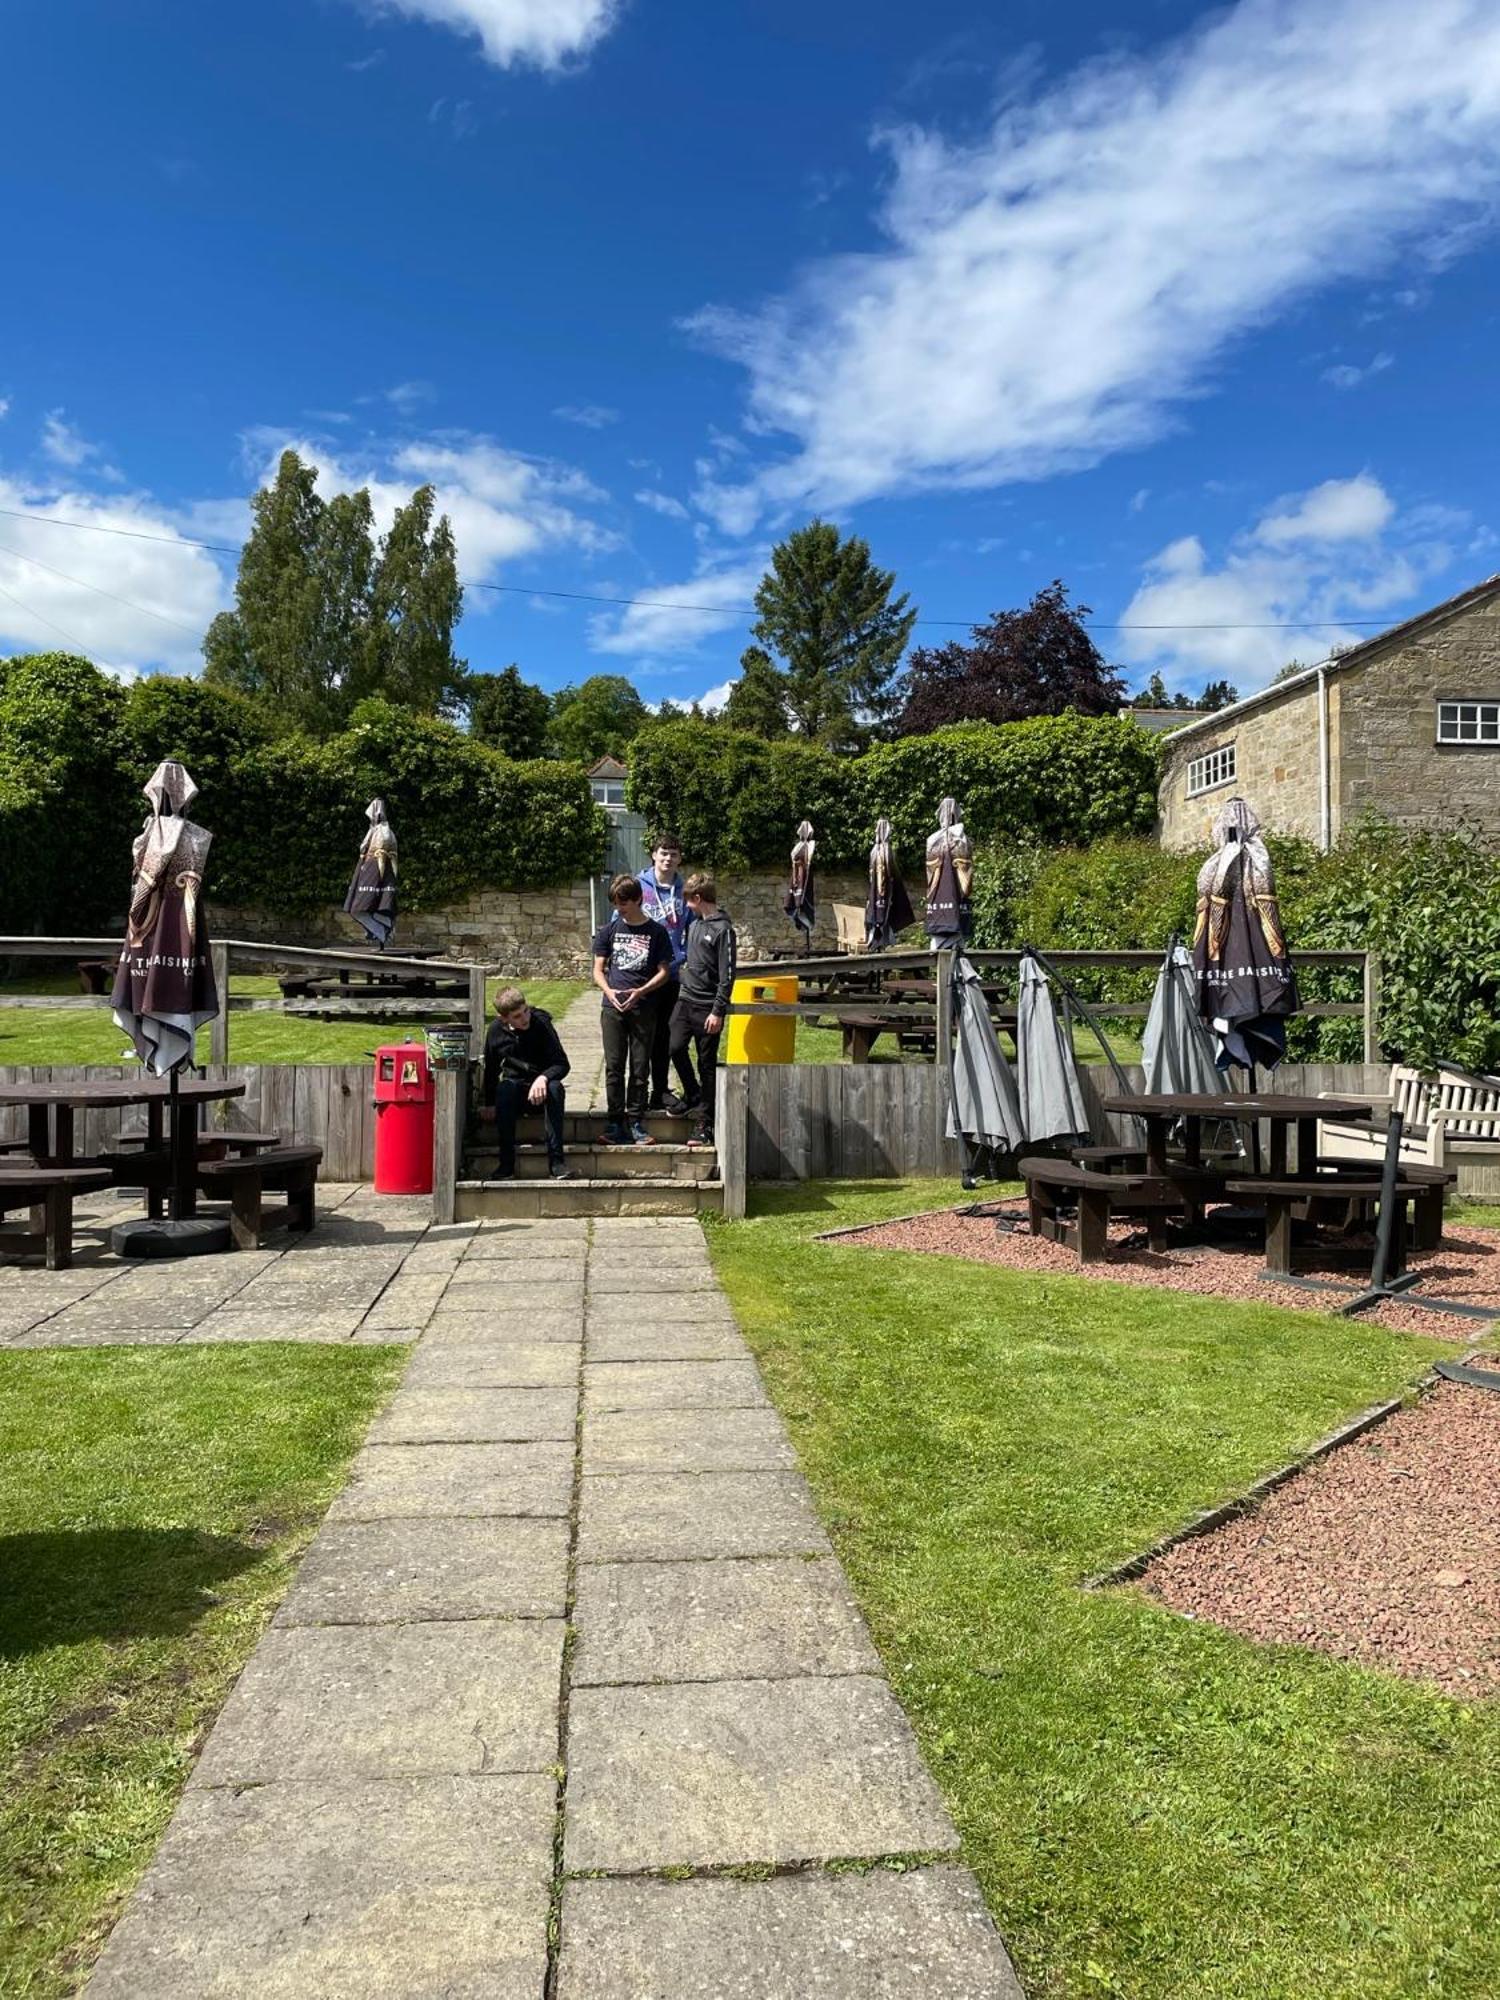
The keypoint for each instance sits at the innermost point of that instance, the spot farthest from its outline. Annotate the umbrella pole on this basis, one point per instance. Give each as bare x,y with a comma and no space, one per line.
1254,1131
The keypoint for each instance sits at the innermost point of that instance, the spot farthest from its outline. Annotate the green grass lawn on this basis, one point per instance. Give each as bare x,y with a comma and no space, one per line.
152,1502
1155,1808
69,1035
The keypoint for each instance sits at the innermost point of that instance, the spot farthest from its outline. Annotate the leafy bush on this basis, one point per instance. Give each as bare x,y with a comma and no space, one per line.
736,799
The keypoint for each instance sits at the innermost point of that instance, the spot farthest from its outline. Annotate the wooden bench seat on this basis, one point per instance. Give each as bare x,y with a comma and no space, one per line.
1129,1159
1052,1185
292,1170
49,1191
1283,1198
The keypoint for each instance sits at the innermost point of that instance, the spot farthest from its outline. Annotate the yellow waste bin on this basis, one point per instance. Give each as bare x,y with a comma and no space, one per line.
763,1038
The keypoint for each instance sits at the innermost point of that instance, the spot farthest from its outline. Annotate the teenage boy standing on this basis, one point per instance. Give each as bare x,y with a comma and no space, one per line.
524,1063
632,959
703,997
663,901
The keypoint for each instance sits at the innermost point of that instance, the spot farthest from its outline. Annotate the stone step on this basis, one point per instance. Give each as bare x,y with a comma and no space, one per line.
582,1128
603,1163
483,1201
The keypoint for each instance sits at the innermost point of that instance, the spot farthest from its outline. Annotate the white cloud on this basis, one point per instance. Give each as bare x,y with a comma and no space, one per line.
64,444
4,408
715,698
543,33
590,416
408,396
674,617
1138,499
1300,580
1344,375
115,596
1055,291
661,503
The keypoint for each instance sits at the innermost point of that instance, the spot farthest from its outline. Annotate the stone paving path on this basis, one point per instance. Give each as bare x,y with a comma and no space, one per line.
580,1034
569,1699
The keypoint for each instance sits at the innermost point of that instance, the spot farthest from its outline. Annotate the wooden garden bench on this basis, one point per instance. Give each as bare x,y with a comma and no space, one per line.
1447,1112
292,1170
1052,1185
1283,1198
50,1190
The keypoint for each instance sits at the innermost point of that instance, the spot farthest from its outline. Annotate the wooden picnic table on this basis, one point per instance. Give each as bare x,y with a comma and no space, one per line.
50,1126
1160,1111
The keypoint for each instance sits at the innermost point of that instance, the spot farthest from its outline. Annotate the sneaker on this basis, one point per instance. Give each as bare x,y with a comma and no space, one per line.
561,1171
655,1106
615,1135
502,1174
700,1136
677,1107
639,1136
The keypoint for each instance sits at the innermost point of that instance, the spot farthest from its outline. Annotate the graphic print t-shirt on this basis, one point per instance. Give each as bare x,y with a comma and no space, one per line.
632,952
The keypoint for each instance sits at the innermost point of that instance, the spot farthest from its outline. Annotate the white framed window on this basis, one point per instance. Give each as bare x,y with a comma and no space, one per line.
1469,722
609,791
1212,769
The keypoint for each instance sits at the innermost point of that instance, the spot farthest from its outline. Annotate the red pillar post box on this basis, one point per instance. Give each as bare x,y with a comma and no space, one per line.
404,1097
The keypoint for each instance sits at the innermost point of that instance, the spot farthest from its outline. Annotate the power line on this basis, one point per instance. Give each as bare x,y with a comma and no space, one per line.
145,610
51,626
713,610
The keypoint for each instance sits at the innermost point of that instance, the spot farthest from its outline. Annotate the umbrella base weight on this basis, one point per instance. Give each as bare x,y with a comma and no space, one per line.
199,1236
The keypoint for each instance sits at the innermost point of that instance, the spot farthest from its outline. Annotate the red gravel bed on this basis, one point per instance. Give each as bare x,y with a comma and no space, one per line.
1466,1266
1386,1552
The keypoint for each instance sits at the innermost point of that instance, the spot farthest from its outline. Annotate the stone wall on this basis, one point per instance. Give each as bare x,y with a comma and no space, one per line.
1277,771
545,933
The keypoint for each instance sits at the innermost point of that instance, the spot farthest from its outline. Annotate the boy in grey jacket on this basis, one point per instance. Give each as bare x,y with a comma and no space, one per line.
703,996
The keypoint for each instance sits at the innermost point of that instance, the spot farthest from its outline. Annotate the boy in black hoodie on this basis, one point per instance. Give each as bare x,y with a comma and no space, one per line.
524,1065
703,996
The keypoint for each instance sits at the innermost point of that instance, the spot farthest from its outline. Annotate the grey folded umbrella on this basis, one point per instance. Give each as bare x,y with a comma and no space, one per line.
983,1107
1177,1049
1051,1095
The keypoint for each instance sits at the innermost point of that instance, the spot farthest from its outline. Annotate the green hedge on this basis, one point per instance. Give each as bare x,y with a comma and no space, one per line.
735,799
1428,903
287,814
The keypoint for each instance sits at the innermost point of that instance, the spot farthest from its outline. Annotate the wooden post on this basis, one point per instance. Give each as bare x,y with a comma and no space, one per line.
218,1032
450,1115
1372,1006
942,963
732,1136
476,1013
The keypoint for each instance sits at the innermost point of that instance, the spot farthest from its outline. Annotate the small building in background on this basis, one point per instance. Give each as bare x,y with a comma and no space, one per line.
607,783
1406,726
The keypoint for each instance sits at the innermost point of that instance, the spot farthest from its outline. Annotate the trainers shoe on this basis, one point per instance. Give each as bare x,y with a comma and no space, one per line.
699,1137
615,1135
639,1136
561,1171
677,1107
656,1105
502,1174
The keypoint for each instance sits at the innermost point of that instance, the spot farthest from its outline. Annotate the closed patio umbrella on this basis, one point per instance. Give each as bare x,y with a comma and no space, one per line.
371,900
801,895
1246,988
1051,1095
1177,1050
888,908
164,992
984,1108
950,878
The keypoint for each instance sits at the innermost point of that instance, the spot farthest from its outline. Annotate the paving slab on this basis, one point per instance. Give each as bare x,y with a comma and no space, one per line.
476,1416
288,1322
357,1891
381,1572
404,1302
432,1260
21,1319
467,1293
727,1772
710,1340
920,1935
685,1441
493,1364
400,1481
449,1327
692,1621
389,1701
537,1269
606,1276
615,1312
672,1385
52,1333
660,1517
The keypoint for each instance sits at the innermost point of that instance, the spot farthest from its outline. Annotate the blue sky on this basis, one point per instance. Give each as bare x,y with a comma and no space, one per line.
1193,309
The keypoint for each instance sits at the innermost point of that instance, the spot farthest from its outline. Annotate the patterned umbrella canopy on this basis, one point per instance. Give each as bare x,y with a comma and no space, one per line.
371,900
950,878
888,908
164,984
1246,986
801,897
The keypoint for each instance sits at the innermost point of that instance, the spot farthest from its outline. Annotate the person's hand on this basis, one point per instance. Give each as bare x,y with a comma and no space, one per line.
487,1114
538,1090
628,999
712,1023
619,1001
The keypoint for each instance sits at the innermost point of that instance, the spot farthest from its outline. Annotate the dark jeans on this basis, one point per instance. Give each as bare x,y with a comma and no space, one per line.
510,1104
688,1025
664,1049
627,1040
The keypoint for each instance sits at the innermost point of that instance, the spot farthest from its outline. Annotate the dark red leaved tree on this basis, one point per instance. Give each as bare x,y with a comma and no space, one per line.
1037,661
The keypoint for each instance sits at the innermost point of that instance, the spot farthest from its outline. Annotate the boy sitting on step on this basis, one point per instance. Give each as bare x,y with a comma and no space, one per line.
524,1065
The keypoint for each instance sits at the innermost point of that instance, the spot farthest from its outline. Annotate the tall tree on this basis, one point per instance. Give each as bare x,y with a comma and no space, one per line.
1036,661
757,700
601,717
270,645
1154,694
508,713
416,600
1218,694
827,610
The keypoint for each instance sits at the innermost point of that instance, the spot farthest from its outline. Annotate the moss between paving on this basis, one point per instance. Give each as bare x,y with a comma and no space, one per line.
152,1503
1154,1807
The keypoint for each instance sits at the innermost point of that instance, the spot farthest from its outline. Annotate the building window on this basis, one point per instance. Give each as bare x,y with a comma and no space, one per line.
609,791
1469,722
1208,772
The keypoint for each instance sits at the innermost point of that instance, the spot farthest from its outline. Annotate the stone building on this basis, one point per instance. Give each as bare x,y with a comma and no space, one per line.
1406,725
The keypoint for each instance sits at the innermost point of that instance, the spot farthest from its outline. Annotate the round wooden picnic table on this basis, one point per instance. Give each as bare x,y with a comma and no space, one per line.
1159,1111
50,1108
